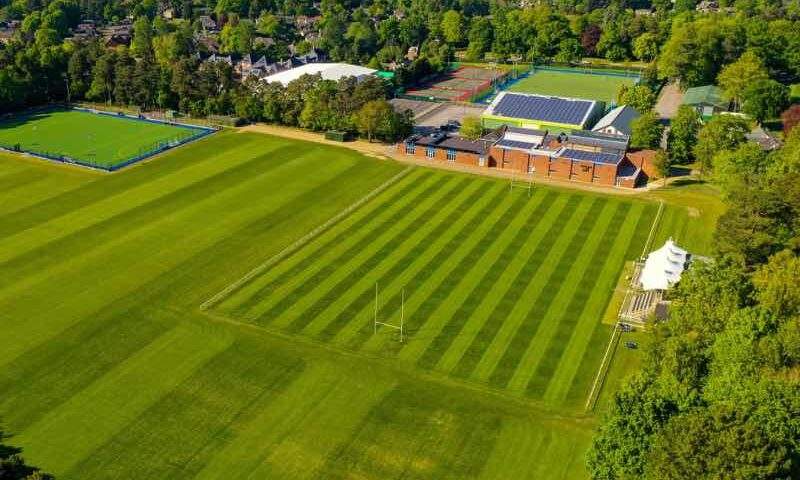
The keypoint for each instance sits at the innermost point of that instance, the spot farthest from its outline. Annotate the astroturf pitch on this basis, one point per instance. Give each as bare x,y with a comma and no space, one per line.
110,369
103,140
592,86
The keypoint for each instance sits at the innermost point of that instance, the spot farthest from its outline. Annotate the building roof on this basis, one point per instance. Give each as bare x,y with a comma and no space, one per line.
604,141
705,95
328,71
444,140
594,157
619,118
568,111
663,267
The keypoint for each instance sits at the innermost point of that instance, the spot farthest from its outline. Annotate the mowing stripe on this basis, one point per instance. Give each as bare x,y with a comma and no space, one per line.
529,328
456,322
157,193
211,400
119,397
590,281
440,223
111,229
15,180
466,350
591,312
449,247
81,296
300,288
457,275
527,353
340,289
497,333
507,459
126,184
338,235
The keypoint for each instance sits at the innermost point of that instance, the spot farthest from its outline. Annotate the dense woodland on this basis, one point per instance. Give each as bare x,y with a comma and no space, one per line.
719,395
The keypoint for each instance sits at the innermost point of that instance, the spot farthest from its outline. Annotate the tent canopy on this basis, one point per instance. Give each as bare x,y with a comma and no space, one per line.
663,267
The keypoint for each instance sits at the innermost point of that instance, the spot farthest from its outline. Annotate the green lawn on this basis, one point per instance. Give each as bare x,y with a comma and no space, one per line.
102,140
109,368
576,84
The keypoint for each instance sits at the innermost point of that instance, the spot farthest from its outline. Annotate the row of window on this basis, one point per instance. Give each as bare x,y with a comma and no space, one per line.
430,152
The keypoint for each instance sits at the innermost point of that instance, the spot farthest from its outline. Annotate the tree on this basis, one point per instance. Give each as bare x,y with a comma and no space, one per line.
640,97
663,164
735,78
736,169
13,466
790,118
776,284
142,42
646,131
471,127
267,24
452,27
719,442
480,38
372,117
722,132
645,47
764,99
682,135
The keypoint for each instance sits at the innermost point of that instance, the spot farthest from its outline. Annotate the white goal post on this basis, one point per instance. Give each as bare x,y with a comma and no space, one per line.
400,327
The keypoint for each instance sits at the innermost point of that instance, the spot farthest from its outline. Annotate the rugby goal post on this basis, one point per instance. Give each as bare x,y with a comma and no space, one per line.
521,183
401,326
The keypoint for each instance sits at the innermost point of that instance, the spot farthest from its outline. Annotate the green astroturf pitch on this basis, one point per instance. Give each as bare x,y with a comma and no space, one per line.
110,368
97,139
573,84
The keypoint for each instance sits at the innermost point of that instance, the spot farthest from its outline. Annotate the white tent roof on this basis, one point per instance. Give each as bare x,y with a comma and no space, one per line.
663,267
329,71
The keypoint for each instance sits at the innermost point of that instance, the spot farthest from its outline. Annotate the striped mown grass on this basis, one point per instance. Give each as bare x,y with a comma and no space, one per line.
110,369
501,289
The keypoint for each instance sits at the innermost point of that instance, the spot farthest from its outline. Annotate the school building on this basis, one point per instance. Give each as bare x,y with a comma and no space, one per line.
581,156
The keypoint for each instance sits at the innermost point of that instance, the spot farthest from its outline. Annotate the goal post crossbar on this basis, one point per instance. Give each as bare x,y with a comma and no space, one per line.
401,327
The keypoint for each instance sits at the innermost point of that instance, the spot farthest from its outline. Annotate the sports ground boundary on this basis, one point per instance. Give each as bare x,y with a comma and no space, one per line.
202,131
613,342
300,242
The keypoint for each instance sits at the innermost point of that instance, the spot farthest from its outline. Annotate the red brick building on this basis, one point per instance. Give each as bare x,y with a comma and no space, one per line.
583,156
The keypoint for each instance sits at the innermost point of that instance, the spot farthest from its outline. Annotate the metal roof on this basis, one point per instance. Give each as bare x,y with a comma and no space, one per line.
594,157
516,144
547,109
596,139
620,118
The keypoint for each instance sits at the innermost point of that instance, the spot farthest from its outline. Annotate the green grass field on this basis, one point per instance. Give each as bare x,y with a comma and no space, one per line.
110,369
102,140
594,86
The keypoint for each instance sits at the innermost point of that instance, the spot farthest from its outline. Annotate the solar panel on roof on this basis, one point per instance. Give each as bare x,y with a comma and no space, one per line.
595,157
549,109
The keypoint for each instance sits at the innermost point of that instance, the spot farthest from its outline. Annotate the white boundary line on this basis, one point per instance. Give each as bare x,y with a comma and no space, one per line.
302,240
602,370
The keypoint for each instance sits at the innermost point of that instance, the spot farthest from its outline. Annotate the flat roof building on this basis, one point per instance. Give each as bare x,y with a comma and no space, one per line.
328,71
556,114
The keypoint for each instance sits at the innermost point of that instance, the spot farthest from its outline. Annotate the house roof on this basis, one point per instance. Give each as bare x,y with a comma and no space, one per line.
328,71
568,111
705,95
604,141
619,118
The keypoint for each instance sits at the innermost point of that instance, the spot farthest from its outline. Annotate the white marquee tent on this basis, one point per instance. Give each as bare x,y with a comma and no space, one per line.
663,267
328,71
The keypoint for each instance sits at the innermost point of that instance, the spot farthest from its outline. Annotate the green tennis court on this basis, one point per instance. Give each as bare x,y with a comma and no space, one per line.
574,83
100,140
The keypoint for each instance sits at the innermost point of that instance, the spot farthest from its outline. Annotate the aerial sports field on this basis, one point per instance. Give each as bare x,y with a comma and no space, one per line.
101,140
573,83
178,319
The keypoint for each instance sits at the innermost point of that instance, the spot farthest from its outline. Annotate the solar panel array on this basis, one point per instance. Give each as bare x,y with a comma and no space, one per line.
516,144
548,109
595,157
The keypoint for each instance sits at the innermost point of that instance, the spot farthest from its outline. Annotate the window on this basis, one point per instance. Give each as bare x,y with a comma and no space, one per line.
430,152
451,155
410,147
585,168
481,161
